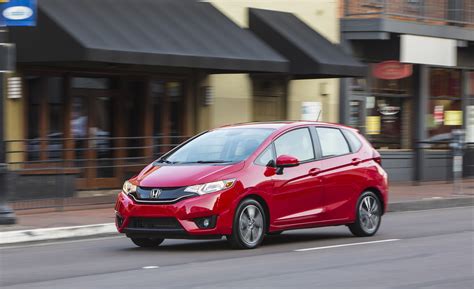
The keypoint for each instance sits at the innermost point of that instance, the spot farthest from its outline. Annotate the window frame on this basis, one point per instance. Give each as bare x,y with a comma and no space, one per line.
319,142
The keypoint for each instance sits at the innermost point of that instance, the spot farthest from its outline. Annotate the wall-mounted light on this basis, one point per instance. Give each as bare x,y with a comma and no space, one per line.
206,95
14,87
323,89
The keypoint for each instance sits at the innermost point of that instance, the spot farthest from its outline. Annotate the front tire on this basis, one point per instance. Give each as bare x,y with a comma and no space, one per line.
147,242
368,215
249,225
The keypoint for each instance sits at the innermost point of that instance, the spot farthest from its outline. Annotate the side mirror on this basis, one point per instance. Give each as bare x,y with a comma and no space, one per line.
285,161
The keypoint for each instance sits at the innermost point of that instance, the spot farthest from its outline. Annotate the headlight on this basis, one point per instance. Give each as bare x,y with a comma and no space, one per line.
210,187
129,188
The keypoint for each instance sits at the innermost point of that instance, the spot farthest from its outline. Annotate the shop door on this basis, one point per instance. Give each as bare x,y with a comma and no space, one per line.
93,131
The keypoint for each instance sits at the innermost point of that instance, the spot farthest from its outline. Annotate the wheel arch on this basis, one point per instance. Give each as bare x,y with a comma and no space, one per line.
263,203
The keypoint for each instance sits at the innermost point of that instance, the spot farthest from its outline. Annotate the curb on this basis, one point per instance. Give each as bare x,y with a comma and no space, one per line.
35,235
108,229
429,204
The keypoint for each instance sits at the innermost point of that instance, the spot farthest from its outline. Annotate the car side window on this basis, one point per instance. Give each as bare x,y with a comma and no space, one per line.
332,142
296,143
265,157
353,140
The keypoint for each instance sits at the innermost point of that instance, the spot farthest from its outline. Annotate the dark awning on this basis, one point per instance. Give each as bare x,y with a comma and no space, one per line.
176,33
311,55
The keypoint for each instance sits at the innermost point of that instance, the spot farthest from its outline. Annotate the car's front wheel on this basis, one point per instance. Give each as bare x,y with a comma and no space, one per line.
147,242
368,215
249,225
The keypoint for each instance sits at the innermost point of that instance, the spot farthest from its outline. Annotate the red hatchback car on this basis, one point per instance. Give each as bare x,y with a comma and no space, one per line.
247,180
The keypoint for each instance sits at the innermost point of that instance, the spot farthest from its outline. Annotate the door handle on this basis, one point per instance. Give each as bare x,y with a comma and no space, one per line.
314,171
356,161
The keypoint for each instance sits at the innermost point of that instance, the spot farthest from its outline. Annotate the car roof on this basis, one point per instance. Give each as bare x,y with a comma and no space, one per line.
282,125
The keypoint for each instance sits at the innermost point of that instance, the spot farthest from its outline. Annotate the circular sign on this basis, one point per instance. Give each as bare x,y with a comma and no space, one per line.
391,69
17,13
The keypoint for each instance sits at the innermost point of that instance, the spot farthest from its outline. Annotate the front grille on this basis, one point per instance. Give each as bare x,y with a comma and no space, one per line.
153,223
165,194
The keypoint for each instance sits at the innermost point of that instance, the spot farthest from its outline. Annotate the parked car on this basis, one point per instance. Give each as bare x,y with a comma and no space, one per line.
248,180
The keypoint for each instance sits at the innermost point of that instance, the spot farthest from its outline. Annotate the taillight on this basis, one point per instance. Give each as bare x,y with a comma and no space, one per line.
376,157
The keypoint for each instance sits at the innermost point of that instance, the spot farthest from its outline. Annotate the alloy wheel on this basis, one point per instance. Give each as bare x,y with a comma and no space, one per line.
369,214
251,225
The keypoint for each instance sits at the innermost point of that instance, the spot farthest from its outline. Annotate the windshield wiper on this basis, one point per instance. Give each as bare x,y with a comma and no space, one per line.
212,162
165,161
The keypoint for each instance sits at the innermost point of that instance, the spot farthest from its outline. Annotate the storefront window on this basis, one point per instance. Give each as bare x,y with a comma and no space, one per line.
445,105
45,117
389,106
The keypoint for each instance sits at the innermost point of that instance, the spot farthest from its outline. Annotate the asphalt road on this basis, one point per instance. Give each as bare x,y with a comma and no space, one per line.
422,249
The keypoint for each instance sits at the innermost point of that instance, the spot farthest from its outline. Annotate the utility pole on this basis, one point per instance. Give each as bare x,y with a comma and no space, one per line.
7,64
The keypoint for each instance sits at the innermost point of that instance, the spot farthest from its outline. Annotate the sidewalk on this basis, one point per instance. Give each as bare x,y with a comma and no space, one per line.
36,225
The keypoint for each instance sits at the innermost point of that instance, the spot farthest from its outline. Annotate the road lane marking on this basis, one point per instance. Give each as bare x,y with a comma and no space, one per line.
150,267
345,245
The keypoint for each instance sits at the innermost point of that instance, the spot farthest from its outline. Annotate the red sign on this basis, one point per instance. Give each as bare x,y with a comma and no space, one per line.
391,69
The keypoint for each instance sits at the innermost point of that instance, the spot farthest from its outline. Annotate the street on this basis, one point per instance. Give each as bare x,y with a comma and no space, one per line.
419,249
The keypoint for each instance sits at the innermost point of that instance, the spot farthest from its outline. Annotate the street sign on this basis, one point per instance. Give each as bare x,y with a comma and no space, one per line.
18,13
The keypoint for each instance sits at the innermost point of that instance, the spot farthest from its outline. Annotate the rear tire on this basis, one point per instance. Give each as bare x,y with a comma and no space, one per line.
368,215
249,226
147,242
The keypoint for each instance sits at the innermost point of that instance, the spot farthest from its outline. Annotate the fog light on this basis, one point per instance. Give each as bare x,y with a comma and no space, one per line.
206,222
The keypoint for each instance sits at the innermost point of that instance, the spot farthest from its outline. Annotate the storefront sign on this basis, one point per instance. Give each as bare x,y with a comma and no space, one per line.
19,13
392,69
428,50
453,117
372,125
311,110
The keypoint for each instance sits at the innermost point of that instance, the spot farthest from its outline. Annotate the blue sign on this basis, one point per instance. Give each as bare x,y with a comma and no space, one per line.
18,13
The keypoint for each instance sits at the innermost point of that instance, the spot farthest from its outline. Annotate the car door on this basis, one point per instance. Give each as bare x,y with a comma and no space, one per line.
342,173
297,196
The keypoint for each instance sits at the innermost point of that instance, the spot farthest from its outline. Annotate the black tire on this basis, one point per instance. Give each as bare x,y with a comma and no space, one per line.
147,242
367,224
256,225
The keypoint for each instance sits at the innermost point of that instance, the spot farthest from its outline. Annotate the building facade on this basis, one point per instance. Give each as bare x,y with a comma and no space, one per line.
100,97
420,84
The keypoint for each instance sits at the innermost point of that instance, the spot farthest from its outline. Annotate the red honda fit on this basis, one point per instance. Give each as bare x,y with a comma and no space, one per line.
248,180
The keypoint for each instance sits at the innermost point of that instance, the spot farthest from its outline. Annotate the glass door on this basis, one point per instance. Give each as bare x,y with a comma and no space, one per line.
93,130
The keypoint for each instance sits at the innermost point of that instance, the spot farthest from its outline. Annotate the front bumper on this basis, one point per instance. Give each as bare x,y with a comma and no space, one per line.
185,214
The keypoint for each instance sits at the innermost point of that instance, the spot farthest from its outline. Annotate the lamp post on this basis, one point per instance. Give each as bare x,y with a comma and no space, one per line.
7,64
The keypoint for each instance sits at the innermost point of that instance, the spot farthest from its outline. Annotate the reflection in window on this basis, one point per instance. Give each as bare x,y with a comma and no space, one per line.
33,90
445,104
296,143
332,142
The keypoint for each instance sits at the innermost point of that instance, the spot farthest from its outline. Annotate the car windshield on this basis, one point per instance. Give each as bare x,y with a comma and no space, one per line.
220,146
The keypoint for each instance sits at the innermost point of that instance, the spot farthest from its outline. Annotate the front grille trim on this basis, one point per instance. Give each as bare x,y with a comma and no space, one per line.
152,223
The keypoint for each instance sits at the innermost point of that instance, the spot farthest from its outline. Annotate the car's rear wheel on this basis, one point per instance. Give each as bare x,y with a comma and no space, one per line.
368,216
147,242
249,225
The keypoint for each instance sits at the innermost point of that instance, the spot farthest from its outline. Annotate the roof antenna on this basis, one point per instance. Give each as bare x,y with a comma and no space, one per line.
319,114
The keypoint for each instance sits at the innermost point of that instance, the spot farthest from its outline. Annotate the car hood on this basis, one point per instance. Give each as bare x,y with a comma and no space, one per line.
181,175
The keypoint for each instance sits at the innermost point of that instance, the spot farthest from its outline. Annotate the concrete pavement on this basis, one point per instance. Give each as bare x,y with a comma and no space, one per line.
427,249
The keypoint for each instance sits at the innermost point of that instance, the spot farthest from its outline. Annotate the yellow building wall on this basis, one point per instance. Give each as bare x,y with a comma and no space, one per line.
233,92
14,127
